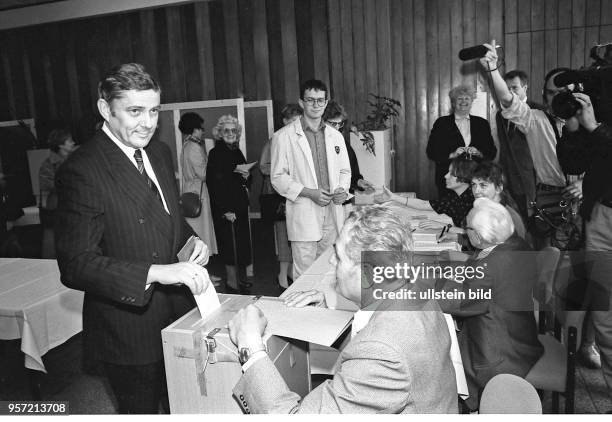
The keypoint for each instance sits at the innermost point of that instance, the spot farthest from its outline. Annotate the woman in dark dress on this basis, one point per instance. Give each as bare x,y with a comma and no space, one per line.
457,133
227,185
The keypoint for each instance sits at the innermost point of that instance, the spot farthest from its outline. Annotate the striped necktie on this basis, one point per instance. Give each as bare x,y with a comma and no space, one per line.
141,169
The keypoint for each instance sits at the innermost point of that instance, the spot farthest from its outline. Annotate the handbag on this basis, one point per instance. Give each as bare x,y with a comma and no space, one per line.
558,219
191,203
272,207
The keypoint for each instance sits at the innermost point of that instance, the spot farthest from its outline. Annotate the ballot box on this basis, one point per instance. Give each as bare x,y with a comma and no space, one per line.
202,364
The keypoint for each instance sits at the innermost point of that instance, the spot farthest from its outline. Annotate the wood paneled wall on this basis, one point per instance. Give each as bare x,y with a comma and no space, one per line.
262,49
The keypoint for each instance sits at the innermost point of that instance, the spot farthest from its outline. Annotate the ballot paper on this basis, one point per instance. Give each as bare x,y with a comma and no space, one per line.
312,324
246,167
207,301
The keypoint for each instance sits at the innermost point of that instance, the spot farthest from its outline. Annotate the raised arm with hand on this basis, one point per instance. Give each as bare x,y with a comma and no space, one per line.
490,64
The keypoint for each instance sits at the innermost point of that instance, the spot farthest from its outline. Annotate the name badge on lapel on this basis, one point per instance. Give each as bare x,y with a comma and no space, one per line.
337,149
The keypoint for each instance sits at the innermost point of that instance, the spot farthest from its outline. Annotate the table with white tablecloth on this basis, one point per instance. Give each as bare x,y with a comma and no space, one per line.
36,308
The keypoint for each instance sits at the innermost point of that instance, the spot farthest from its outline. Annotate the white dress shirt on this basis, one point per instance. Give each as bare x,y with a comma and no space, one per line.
463,123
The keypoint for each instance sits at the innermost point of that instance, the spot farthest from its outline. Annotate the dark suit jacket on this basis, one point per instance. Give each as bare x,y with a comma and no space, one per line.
498,335
110,229
445,138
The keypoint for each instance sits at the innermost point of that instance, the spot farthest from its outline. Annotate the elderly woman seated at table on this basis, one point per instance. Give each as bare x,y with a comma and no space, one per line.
456,203
498,332
489,181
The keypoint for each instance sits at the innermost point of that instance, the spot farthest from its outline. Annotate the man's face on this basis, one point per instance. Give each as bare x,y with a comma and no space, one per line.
313,103
348,273
550,90
485,189
515,85
132,118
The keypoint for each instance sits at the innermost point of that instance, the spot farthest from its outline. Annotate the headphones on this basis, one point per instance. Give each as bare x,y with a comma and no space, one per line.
550,75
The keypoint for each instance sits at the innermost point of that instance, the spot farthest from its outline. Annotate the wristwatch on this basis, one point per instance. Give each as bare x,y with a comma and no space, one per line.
245,353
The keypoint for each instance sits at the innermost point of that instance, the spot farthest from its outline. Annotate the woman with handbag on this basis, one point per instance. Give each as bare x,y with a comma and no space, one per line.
194,162
276,202
230,201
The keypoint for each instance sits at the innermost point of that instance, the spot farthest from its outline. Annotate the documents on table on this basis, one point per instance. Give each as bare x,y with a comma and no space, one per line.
304,323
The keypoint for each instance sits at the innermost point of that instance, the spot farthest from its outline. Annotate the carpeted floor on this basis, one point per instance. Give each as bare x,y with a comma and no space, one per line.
71,377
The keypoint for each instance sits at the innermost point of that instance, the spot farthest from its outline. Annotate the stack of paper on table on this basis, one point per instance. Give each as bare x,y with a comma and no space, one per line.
315,325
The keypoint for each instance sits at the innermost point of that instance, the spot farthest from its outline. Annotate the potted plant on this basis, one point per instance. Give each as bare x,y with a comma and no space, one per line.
382,110
372,143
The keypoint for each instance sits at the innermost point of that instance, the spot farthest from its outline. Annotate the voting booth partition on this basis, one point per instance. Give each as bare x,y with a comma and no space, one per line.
202,364
254,116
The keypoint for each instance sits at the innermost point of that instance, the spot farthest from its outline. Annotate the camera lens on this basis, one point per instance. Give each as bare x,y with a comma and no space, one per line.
564,105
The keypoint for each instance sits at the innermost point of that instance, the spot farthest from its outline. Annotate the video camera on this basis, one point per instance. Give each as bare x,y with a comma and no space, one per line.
595,81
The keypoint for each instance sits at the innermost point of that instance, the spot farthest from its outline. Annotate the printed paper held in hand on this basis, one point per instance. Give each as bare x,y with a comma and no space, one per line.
245,167
207,301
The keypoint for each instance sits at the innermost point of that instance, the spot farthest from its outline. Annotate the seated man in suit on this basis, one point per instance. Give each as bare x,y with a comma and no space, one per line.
498,335
398,358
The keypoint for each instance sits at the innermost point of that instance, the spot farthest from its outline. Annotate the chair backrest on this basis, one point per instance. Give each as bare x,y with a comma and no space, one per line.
507,393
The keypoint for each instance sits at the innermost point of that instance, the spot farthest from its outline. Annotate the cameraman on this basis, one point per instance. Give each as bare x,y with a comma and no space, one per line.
587,147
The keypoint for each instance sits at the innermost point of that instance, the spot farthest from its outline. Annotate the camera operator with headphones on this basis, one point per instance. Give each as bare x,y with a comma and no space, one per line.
591,152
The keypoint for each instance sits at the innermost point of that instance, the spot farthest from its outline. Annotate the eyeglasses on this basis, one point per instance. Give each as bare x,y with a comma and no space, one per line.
229,131
318,101
336,125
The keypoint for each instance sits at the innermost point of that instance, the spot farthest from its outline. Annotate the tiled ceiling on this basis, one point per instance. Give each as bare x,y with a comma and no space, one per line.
16,4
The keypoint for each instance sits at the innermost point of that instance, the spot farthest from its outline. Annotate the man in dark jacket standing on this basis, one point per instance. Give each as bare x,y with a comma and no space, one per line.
119,228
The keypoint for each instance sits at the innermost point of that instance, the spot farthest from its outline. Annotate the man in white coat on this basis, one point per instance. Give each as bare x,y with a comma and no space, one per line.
310,167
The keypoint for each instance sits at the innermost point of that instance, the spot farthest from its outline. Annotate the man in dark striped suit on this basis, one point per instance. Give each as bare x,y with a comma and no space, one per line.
119,228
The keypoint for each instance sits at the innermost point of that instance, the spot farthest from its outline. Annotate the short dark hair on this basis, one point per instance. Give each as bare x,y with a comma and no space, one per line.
517,73
57,137
490,172
189,122
314,84
291,110
125,77
334,110
463,167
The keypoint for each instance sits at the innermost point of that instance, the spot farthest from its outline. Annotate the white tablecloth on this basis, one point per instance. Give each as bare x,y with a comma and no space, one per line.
36,307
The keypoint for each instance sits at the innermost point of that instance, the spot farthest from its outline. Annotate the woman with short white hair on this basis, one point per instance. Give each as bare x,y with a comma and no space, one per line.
227,184
457,133
489,224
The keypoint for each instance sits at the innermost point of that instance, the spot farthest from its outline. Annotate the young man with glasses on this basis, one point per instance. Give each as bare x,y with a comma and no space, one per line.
310,167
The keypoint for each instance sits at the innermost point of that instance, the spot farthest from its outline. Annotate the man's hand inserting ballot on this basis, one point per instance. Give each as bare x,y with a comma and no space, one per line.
200,253
301,299
247,328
